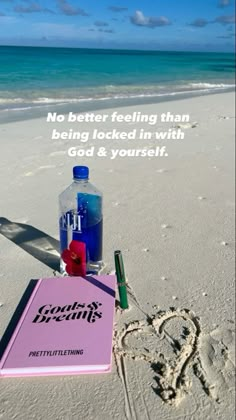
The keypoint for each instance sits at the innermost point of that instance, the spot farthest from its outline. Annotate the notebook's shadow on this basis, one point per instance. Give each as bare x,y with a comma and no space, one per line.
37,243
16,317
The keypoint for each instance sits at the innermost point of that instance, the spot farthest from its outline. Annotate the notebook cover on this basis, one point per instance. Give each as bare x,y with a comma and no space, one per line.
67,325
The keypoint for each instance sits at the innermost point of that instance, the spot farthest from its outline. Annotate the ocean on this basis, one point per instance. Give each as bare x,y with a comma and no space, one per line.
33,79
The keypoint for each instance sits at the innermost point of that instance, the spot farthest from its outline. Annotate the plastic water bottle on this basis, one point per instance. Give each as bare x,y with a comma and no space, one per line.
81,226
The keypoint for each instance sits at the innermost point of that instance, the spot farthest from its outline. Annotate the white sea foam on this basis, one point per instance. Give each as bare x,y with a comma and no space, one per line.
149,92
211,85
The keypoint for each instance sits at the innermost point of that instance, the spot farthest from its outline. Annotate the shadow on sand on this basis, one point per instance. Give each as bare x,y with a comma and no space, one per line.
37,243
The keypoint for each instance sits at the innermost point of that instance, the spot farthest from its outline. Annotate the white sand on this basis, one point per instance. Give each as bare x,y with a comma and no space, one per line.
173,218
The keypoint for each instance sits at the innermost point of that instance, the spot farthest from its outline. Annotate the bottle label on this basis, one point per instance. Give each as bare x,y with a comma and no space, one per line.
71,220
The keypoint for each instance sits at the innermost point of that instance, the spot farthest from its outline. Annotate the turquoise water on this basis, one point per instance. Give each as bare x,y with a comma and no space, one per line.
37,77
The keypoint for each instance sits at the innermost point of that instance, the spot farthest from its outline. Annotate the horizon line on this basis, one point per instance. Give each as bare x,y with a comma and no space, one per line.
115,49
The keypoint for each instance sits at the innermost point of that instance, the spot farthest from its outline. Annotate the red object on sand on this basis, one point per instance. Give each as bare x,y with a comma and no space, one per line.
75,258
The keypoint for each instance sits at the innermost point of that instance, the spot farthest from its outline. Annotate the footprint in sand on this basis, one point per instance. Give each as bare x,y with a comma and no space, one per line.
216,365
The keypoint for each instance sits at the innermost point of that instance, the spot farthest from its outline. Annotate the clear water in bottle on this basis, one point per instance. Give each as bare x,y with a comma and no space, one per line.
81,226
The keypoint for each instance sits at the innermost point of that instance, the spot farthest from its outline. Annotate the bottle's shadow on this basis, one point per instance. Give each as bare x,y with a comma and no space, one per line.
37,243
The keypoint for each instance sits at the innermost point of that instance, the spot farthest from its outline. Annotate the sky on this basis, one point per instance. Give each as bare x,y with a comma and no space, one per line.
179,25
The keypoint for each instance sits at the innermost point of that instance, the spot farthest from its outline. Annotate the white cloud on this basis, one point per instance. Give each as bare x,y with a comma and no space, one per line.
140,19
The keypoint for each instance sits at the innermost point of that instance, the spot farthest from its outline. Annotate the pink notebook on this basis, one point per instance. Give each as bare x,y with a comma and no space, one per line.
66,327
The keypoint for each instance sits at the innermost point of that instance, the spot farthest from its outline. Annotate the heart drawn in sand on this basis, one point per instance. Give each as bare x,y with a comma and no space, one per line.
169,356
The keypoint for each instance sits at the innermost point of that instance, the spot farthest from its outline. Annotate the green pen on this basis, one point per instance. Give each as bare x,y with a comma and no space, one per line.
122,285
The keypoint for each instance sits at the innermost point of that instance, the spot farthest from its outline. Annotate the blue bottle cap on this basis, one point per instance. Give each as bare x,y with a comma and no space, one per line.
80,172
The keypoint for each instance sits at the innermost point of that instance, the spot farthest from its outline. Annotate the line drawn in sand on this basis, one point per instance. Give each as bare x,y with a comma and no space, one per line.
171,375
207,355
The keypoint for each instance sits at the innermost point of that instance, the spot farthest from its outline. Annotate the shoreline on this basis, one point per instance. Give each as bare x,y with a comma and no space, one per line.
34,111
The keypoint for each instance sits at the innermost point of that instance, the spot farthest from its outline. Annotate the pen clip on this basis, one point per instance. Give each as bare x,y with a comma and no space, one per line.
120,272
